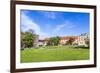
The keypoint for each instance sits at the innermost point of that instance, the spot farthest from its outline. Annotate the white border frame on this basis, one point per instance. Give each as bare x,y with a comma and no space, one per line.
53,64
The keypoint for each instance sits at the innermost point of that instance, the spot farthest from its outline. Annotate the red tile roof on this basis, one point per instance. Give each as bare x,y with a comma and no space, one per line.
68,37
64,38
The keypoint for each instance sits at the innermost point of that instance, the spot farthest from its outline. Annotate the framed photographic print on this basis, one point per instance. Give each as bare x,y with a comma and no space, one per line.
52,36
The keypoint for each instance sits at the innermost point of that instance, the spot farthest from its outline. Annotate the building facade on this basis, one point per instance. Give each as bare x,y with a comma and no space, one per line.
65,40
83,40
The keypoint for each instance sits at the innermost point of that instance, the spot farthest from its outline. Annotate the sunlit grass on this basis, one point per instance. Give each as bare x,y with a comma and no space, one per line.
54,53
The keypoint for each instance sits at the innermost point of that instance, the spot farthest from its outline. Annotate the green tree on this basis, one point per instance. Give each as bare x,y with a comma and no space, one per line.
54,41
70,41
27,39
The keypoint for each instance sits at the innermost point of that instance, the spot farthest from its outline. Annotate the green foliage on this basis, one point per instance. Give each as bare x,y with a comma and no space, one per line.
54,53
27,39
54,41
70,41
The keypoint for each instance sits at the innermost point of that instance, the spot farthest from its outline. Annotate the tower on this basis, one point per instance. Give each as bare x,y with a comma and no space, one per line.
36,41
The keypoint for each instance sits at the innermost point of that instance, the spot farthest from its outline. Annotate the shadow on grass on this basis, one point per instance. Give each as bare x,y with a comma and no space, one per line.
82,47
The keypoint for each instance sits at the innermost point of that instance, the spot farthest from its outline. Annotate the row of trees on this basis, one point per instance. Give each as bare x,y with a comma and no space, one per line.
55,41
27,40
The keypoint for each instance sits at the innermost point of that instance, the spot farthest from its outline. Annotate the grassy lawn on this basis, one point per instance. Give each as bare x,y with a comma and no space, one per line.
54,53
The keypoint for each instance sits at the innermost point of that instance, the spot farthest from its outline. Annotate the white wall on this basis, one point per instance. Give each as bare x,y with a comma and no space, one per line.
5,37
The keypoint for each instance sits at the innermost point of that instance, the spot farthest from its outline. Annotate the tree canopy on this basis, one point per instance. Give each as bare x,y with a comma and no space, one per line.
27,39
54,40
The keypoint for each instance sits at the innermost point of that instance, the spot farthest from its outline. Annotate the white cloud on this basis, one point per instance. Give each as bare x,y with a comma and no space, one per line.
59,27
27,24
68,25
51,15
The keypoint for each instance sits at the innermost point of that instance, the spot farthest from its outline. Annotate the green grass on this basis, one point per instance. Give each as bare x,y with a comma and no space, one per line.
54,53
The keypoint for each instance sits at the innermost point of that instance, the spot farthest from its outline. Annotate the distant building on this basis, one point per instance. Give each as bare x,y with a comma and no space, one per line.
46,41
38,42
64,40
83,40
42,43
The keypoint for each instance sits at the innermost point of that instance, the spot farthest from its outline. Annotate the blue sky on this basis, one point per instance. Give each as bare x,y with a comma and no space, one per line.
51,23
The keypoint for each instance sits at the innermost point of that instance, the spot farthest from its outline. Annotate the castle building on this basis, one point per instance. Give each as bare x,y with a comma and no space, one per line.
83,40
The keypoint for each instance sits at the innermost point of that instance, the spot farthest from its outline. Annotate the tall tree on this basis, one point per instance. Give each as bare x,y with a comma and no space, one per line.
27,39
